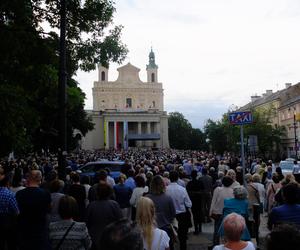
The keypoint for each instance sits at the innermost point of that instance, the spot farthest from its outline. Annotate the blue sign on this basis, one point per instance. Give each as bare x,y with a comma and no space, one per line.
240,118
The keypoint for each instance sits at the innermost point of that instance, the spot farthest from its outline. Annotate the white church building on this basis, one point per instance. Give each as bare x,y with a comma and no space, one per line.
128,112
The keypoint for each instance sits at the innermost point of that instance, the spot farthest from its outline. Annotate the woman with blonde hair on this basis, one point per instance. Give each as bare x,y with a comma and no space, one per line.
154,238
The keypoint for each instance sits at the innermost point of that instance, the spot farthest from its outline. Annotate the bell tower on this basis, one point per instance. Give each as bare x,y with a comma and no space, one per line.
151,68
102,74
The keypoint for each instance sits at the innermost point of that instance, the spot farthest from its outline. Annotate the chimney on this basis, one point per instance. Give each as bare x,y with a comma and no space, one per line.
254,98
287,85
269,92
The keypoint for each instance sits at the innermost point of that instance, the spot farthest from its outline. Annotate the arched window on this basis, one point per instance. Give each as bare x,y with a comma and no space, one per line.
153,104
102,76
128,103
152,77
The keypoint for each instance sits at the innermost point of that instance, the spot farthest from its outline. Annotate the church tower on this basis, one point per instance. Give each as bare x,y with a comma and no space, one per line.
152,68
102,74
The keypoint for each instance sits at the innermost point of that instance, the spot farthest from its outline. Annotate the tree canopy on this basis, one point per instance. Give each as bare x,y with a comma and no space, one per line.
29,49
226,137
182,135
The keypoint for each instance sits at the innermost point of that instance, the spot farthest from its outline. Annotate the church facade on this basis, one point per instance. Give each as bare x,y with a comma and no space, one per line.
128,112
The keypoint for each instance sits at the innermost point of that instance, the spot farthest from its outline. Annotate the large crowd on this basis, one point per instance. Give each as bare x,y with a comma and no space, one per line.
158,198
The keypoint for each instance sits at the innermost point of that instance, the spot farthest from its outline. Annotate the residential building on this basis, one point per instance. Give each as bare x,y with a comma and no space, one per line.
283,109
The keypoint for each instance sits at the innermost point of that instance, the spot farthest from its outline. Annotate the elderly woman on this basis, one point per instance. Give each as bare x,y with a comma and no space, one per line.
239,205
253,194
272,190
217,204
231,173
234,226
260,189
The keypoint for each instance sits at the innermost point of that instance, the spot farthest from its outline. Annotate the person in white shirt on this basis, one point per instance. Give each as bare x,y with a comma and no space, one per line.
234,224
153,237
217,204
109,180
182,203
137,193
260,188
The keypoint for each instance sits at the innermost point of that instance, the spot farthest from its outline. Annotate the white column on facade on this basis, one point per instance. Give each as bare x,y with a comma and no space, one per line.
125,135
148,143
157,131
115,136
139,128
107,135
139,143
148,128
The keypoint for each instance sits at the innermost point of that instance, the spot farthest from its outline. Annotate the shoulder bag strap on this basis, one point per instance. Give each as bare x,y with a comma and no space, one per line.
65,235
256,193
273,188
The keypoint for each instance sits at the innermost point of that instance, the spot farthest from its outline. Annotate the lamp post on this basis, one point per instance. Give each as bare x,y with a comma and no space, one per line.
62,93
295,134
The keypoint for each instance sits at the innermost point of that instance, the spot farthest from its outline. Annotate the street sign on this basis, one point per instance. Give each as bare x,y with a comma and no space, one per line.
240,118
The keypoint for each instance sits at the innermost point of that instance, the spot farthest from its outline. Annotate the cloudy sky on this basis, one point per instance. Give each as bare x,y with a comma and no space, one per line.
211,54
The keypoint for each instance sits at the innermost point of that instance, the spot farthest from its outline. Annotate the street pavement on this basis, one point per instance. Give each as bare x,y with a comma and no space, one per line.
204,239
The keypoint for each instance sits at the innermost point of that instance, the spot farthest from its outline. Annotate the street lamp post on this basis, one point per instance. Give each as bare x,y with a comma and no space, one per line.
62,93
295,136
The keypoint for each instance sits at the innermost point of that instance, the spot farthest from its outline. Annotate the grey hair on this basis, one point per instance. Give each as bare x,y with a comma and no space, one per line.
221,174
256,178
248,178
240,193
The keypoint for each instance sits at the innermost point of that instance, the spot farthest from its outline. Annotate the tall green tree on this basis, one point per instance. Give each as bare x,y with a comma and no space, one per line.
198,140
182,135
29,67
216,133
179,131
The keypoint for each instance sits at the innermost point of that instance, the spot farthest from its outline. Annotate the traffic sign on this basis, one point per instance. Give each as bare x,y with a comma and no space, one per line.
240,118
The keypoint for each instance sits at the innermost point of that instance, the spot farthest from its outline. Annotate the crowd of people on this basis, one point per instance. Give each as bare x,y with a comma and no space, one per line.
158,197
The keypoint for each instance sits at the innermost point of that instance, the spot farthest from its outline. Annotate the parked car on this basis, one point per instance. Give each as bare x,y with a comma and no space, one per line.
287,166
91,168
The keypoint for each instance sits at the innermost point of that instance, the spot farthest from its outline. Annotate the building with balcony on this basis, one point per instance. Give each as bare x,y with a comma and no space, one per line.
128,112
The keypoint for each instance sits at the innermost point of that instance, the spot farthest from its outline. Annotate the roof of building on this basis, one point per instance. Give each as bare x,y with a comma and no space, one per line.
267,98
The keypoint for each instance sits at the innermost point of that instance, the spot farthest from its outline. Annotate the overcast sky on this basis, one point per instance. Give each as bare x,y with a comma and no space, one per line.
211,54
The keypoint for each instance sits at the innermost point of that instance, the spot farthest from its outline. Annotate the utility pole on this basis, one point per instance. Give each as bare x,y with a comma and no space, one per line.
62,100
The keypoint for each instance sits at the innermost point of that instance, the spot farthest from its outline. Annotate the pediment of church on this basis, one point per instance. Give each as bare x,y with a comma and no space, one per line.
128,74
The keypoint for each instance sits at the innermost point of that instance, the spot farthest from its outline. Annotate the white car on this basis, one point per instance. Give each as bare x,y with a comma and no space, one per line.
287,166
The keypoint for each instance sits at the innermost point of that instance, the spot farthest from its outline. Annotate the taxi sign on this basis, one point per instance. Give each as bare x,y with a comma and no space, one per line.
240,118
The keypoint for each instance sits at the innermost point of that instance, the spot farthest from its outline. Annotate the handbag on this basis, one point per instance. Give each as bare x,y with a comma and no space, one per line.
65,235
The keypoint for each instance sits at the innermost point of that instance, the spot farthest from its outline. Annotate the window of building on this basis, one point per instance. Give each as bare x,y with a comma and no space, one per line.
152,77
102,76
153,104
128,102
